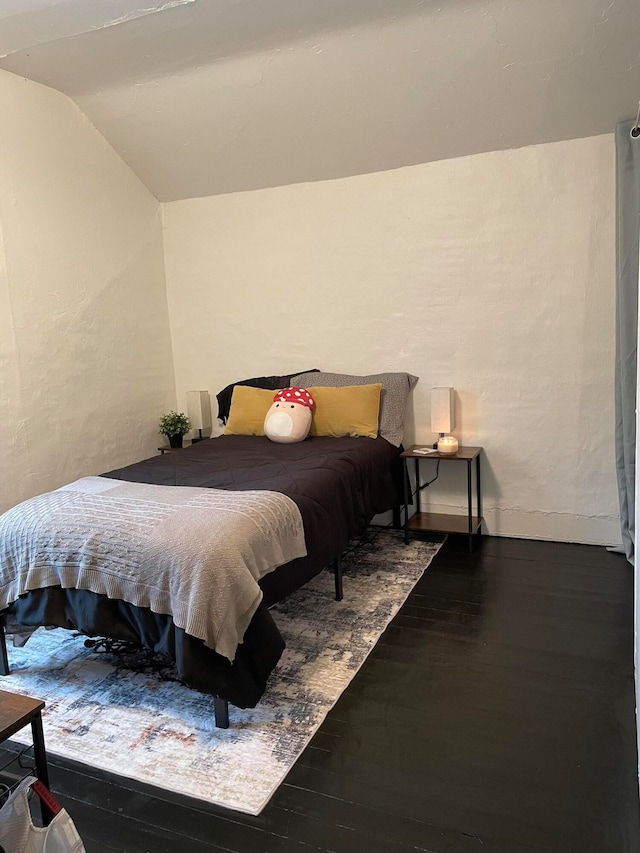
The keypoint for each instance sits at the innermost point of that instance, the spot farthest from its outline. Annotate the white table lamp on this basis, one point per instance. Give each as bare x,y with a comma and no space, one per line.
443,418
199,411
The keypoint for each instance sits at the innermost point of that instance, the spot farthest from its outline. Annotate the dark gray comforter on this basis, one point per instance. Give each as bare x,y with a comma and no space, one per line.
338,484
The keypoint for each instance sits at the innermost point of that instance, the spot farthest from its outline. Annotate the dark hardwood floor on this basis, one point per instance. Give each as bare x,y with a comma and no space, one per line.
495,714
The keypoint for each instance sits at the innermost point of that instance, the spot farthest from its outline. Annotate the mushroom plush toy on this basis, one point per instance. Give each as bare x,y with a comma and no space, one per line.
289,418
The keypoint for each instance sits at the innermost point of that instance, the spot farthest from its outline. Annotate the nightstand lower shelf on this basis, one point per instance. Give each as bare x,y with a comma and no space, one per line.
469,524
437,522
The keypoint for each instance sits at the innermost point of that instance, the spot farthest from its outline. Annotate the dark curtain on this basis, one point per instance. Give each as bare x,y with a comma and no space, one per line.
627,230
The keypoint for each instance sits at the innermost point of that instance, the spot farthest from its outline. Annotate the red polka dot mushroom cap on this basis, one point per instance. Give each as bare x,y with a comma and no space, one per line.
295,395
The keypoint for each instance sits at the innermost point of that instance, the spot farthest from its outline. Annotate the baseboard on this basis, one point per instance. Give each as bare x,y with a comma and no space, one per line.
553,526
550,526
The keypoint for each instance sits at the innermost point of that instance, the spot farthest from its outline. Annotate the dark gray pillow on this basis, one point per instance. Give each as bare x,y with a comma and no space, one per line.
396,388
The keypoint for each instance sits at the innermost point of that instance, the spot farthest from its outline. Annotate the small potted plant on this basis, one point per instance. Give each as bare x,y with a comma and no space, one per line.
175,425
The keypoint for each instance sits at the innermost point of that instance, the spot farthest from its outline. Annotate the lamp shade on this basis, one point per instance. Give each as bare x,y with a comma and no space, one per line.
442,410
199,409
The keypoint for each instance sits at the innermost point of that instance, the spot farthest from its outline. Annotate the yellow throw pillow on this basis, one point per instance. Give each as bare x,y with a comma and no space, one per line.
248,409
350,410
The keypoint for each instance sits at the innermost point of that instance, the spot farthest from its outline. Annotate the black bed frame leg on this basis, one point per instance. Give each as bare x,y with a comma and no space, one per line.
337,574
4,658
221,712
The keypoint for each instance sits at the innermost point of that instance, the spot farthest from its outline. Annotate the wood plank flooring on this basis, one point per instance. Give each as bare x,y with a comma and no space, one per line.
495,714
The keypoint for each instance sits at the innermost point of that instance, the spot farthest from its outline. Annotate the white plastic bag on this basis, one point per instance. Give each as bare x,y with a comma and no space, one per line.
18,834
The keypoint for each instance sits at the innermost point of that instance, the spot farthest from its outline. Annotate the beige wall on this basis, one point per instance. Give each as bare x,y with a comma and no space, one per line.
493,273
85,353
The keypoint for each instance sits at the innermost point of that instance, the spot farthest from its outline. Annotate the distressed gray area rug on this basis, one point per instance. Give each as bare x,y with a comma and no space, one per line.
156,731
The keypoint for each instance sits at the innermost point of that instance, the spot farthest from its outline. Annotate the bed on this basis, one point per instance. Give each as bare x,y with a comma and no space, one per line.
337,485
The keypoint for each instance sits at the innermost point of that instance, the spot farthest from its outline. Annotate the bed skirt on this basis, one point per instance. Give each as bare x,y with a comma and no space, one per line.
242,682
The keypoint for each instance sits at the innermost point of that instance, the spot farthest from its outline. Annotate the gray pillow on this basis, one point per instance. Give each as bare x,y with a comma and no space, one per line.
393,397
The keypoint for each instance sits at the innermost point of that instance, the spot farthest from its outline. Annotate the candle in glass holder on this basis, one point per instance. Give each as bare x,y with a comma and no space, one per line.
448,444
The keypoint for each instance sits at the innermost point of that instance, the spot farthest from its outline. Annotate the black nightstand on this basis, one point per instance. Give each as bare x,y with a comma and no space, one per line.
433,522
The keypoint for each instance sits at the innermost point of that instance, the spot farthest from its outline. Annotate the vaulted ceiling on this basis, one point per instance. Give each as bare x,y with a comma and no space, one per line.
215,96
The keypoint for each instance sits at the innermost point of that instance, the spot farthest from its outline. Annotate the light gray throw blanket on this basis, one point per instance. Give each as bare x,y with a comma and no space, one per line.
196,554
